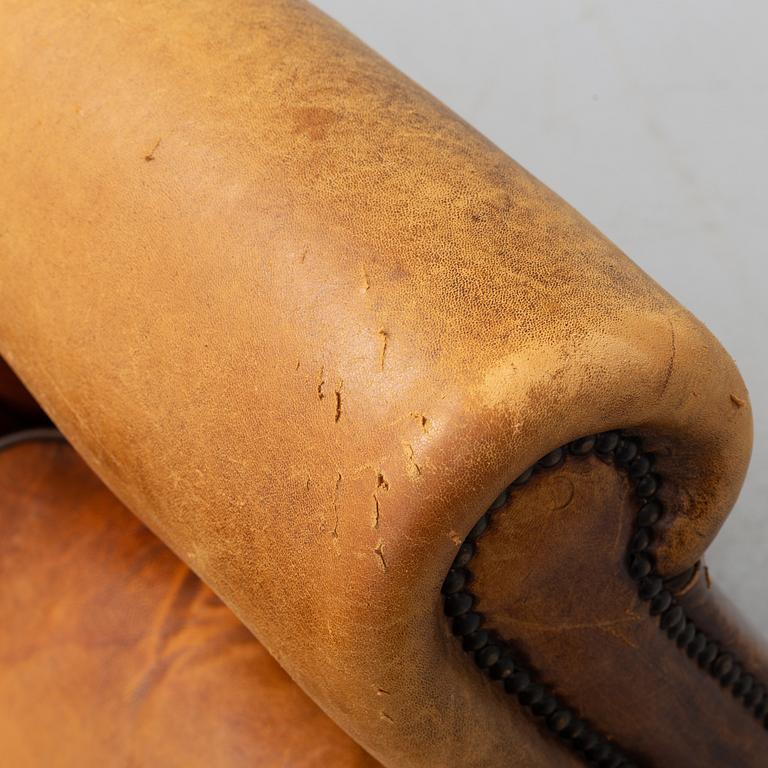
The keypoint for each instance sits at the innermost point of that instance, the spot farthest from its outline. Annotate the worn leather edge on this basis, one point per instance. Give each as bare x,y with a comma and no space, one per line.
496,655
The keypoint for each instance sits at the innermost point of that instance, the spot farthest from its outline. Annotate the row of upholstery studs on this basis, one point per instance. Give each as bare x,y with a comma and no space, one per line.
496,658
709,655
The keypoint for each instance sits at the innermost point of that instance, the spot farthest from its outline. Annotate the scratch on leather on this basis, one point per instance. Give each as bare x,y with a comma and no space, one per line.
413,469
384,338
379,550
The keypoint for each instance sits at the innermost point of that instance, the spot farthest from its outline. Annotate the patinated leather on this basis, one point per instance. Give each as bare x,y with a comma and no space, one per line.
307,323
112,653
574,613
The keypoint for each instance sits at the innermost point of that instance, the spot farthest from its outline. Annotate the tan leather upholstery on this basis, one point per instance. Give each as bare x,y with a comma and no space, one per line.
307,324
112,653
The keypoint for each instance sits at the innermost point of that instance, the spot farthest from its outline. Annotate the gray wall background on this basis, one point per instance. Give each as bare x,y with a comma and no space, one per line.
651,118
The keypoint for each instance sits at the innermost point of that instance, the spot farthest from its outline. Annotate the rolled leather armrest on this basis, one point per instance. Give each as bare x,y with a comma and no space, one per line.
308,325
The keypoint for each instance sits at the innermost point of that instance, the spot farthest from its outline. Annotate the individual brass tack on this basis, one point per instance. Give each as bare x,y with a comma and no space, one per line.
607,442
488,656
722,665
672,617
583,445
641,540
649,587
729,679
640,565
457,603
661,602
552,459
524,478
500,500
532,694
708,655
480,527
589,740
755,695
465,554
466,624
546,705
575,730
599,752
503,668
518,681
649,513
743,686
647,486
698,644
454,581
685,638
476,640
559,720
626,451
639,466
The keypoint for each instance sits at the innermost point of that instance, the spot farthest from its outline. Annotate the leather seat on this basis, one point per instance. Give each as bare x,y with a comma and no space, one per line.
113,653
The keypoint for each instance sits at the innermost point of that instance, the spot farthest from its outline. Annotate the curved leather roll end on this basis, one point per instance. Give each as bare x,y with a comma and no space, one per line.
307,324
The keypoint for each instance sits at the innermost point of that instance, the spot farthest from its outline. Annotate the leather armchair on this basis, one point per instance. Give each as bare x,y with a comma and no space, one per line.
446,452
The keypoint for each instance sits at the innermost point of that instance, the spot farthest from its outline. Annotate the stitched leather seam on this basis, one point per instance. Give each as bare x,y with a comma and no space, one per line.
497,658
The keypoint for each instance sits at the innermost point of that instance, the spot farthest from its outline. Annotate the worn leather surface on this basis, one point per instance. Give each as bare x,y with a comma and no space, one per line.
112,653
307,323
574,614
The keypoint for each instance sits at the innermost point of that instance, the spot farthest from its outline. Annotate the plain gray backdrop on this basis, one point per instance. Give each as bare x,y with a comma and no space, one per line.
651,118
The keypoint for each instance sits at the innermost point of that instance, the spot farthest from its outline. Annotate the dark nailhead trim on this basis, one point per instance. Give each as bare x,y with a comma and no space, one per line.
457,603
647,486
480,527
626,451
649,513
641,540
546,706
599,752
500,500
496,658
649,587
744,686
465,554
755,696
524,478
607,442
685,638
583,445
698,644
722,665
517,681
639,467
559,720
504,667
640,565
464,625
454,581
589,741
660,603
532,694
552,459
708,655
475,640
731,677
575,730
488,656
672,617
